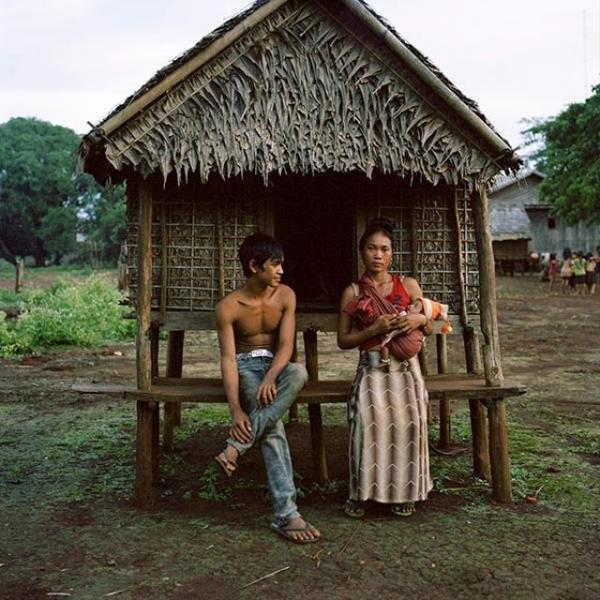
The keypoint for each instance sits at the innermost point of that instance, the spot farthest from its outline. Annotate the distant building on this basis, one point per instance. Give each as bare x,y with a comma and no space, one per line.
521,224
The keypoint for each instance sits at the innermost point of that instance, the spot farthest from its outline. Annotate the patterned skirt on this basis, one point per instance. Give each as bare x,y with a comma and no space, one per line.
387,414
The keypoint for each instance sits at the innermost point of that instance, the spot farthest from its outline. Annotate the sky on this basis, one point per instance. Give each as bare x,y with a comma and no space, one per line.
72,61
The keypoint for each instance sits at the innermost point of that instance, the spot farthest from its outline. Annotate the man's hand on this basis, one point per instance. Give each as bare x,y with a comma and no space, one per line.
267,392
241,428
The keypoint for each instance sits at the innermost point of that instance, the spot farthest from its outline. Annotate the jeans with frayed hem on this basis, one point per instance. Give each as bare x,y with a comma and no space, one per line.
268,430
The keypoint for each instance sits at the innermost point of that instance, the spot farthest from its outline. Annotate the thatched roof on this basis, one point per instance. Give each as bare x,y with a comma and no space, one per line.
299,86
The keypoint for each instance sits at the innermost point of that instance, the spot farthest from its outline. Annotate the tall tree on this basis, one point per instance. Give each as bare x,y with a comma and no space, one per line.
570,158
38,190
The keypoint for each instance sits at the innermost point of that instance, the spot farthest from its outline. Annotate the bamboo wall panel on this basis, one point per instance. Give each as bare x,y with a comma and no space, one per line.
436,265
192,247
299,93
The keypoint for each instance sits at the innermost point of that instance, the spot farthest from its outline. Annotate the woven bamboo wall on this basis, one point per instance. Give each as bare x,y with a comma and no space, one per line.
190,224
426,243
197,274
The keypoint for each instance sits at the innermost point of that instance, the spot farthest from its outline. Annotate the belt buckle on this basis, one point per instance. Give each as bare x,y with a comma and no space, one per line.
260,353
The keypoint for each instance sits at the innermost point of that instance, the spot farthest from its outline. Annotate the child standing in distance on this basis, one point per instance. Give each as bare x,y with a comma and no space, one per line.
553,270
566,272
578,268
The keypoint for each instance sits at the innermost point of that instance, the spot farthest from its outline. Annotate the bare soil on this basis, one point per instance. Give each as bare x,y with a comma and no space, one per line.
68,526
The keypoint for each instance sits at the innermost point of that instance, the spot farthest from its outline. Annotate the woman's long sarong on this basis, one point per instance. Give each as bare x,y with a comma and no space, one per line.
387,413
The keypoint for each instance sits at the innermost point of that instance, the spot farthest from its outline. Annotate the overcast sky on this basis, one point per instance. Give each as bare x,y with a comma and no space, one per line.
71,61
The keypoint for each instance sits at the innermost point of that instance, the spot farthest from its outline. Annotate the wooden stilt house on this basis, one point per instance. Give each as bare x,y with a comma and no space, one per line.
304,118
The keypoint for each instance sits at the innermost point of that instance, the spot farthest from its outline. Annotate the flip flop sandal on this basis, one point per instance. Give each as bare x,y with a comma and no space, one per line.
403,510
286,532
229,467
354,509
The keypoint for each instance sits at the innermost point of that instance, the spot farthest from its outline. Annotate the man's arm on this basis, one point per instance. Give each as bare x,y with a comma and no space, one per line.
287,330
241,428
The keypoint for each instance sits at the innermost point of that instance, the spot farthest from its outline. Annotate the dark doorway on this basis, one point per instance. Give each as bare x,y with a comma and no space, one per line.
315,222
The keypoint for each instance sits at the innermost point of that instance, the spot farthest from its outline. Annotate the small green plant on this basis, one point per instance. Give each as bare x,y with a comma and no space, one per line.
209,487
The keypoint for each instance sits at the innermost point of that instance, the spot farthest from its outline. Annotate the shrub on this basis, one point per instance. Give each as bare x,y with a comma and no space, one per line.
67,313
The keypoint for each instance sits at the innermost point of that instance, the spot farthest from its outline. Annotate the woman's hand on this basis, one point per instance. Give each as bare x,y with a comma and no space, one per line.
384,324
410,322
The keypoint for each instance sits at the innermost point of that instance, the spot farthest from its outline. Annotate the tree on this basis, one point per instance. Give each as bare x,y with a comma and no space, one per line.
39,193
106,221
570,158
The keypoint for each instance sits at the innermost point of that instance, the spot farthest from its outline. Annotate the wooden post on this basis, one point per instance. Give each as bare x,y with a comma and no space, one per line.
174,369
123,269
311,353
220,248
144,288
500,464
487,289
146,460
19,275
442,364
154,348
479,432
425,371
477,410
293,412
472,351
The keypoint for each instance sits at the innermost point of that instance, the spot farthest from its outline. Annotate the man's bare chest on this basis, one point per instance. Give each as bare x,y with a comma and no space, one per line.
254,319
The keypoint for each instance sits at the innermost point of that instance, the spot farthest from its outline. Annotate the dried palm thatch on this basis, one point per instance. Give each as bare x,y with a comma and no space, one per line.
299,93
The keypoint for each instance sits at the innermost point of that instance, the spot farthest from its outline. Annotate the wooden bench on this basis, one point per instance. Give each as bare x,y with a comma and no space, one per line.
490,444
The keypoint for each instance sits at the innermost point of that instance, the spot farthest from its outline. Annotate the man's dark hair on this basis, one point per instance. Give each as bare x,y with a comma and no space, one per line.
384,226
259,247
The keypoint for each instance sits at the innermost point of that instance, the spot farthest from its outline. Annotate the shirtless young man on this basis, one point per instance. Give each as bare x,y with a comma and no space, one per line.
256,325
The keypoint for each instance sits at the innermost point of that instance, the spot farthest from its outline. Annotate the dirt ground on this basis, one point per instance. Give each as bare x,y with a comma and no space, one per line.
68,527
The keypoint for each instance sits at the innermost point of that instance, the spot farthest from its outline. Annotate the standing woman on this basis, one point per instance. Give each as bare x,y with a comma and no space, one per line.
387,407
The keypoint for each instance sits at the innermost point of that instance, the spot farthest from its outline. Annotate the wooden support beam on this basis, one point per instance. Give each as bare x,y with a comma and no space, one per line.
172,416
479,432
164,261
155,457
154,348
144,460
293,412
472,350
445,409
145,447
487,289
144,288
499,460
220,248
311,353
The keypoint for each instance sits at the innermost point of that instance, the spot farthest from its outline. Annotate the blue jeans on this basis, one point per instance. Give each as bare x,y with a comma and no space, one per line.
268,430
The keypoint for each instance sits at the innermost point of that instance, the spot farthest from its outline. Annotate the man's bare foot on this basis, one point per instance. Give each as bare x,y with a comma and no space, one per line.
227,460
298,531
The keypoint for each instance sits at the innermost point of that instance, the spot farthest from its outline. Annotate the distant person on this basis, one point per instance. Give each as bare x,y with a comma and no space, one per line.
553,267
578,268
590,273
256,325
566,272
